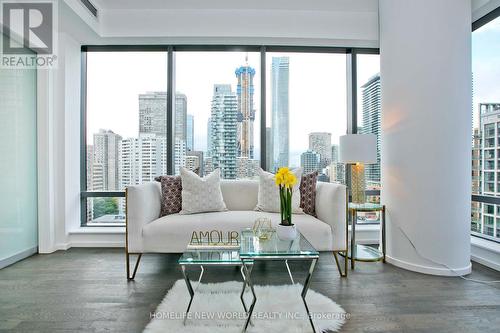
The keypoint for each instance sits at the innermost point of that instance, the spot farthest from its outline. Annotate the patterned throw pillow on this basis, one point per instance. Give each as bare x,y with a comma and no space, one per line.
268,199
201,195
308,193
171,197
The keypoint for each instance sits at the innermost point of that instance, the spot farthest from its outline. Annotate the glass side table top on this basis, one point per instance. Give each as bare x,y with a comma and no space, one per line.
367,206
252,247
205,257
366,253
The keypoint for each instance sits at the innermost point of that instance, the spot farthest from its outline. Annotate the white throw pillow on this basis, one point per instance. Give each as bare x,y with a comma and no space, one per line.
201,195
268,199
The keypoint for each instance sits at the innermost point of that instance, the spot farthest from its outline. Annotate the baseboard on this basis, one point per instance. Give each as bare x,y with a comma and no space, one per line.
18,257
429,269
98,244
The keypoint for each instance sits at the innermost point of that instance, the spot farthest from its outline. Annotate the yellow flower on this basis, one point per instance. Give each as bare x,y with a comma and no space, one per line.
285,177
290,179
278,179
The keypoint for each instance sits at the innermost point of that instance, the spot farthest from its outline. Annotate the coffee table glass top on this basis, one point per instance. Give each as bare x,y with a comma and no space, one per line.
252,247
220,257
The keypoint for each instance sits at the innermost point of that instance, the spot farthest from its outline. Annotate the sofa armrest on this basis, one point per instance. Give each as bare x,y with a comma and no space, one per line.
331,208
143,204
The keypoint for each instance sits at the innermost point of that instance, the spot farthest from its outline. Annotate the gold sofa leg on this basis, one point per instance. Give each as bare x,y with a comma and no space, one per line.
127,257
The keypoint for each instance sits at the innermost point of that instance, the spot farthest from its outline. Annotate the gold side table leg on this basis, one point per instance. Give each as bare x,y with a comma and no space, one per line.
353,237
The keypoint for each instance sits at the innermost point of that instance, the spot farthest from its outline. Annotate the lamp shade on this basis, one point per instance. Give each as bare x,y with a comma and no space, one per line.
358,148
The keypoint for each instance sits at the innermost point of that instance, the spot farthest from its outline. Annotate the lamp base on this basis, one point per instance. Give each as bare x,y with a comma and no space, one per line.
358,183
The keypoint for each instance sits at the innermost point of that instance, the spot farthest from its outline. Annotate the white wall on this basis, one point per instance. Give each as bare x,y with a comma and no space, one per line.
426,133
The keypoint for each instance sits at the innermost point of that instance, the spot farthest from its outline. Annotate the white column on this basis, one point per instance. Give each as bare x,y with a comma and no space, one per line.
425,53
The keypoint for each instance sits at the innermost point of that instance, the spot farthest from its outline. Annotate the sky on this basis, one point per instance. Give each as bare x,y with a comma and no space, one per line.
486,66
317,90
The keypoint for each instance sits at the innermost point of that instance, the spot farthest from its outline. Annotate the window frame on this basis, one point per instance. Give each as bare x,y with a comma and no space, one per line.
475,197
351,80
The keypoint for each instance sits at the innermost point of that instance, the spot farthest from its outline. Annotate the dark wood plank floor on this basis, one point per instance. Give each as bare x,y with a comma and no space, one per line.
85,290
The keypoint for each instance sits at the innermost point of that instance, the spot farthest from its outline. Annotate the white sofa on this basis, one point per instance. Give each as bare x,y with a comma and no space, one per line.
149,233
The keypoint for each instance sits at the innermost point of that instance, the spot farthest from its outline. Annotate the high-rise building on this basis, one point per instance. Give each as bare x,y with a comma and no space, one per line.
90,172
194,161
269,149
336,173
246,167
209,137
208,165
280,69
310,161
489,140
179,155
142,159
476,215
335,153
190,132
371,97
153,113
180,117
106,159
224,130
321,142
246,111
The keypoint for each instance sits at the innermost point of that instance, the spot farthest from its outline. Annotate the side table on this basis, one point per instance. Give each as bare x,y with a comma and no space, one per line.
361,252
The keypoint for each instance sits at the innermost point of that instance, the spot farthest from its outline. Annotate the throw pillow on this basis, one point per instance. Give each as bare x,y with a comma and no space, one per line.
268,199
308,193
201,194
171,198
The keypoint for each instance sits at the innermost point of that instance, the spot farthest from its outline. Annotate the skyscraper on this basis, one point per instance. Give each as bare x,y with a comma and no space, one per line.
310,161
194,160
153,113
489,132
209,137
371,124
105,176
142,159
279,111
190,132
335,153
224,130
180,117
321,142
246,112
269,149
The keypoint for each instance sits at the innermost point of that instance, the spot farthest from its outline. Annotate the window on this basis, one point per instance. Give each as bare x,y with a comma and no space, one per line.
220,91
486,131
131,134
126,127
306,103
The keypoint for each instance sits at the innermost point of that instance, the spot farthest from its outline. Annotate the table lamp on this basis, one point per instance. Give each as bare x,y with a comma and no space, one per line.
357,150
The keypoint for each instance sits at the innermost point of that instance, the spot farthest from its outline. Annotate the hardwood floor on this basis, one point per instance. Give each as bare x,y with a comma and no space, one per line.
85,290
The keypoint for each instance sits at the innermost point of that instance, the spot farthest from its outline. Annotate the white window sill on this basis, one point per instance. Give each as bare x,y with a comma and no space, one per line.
98,230
485,244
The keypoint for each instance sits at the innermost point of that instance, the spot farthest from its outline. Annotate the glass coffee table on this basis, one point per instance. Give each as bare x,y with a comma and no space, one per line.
208,257
252,249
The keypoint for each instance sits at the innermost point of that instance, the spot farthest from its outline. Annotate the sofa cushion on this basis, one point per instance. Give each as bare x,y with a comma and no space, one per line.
308,193
269,197
172,233
239,194
171,194
201,194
